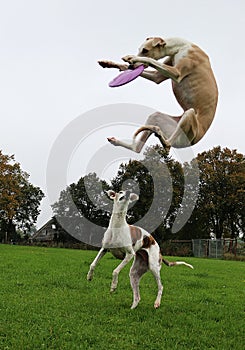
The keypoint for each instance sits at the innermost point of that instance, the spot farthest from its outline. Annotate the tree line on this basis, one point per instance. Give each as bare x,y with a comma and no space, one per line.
216,197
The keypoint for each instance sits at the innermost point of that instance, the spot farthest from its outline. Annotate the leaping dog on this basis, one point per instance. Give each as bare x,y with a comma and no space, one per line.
193,84
125,242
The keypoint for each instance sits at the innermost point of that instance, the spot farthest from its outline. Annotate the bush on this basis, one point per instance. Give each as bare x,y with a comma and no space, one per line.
177,248
229,256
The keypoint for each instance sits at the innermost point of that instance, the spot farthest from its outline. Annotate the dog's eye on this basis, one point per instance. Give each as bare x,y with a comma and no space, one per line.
121,198
144,51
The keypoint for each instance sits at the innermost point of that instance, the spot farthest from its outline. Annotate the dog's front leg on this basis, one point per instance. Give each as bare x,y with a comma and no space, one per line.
94,263
154,76
118,269
110,64
168,71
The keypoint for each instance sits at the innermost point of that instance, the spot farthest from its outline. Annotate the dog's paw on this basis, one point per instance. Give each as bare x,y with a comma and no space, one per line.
134,305
104,64
112,140
107,64
157,305
130,59
110,64
89,276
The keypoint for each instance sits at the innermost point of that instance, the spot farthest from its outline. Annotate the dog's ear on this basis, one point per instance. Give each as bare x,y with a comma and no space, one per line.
158,42
133,197
111,194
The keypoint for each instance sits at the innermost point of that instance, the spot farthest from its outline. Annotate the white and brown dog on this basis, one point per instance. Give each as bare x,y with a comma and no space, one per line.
194,87
125,242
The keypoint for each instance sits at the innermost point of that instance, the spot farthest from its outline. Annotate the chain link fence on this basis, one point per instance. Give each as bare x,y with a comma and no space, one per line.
205,248
217,248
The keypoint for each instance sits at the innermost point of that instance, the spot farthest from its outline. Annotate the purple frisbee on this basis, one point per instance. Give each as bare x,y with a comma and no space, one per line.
126,76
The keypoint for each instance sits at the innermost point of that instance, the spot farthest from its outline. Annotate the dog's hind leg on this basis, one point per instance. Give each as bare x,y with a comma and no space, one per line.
136,145
162,125
187,130
139,267
156,273
155,263
178,132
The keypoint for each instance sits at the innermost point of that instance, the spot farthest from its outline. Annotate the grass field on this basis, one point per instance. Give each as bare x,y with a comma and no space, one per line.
46,303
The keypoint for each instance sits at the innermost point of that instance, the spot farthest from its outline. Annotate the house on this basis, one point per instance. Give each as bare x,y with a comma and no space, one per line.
47,233
52,234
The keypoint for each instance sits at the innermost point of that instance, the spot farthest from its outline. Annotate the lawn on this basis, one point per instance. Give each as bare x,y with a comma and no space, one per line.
47,303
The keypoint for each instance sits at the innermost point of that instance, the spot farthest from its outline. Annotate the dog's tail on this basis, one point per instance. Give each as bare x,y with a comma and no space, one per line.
174,263
145,127
157,132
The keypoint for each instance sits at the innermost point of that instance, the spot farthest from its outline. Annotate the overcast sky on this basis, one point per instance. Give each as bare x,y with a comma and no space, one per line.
49,73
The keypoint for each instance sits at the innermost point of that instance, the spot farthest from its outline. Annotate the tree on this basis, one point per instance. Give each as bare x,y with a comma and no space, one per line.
83,209
19,199
220,206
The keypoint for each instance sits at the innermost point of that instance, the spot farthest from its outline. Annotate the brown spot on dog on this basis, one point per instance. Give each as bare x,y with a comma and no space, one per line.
148,241
135,234
143,255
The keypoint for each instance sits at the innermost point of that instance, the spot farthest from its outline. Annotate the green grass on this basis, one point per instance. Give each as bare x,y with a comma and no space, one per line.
46,303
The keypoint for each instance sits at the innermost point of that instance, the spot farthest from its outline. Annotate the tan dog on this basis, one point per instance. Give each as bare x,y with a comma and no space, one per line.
194,87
